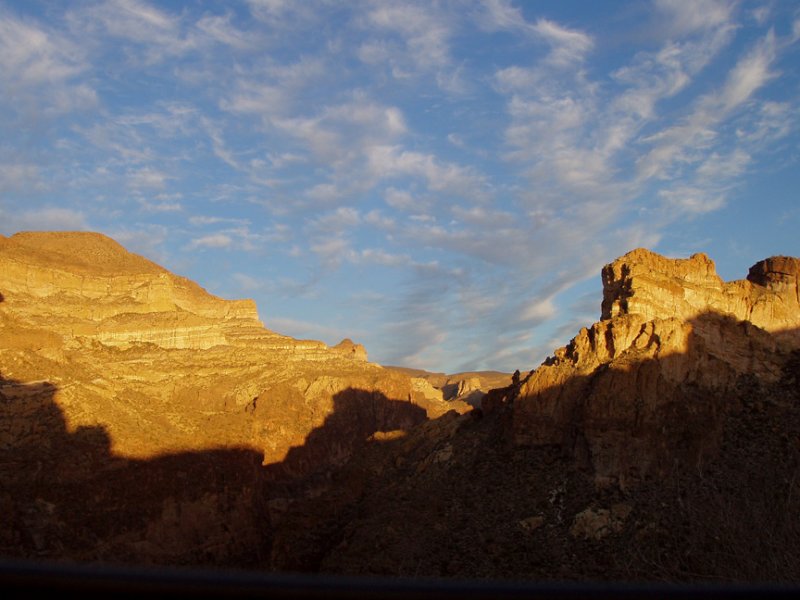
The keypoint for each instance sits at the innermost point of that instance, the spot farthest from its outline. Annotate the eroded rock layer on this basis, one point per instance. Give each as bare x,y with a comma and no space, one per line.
646,386
113,369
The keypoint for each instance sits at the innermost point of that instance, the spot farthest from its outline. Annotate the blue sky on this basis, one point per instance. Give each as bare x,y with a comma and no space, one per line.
440,181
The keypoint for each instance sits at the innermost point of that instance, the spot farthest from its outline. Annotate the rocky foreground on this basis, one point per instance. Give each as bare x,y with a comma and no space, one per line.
144,421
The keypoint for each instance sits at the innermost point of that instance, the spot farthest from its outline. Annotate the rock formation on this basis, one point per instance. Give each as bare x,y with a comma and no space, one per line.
144,421
348,348
469,387
644,283
662,444
110,365
673,340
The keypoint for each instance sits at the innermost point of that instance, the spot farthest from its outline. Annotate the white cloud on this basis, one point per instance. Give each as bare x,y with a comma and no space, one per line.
147,177
749,74
515,78
425,33
337,220
374,52
773,121
375,218
538,310
695,136
568,46
691,200
40,68
332,251
220,29
381,257
49,218
18,176
724,167
499,14
400,199
682,18
158,33
214,240
246,282
343,133
387,161
160,205
206,220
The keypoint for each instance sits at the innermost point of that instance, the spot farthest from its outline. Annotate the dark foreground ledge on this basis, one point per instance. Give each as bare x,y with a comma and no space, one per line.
28,579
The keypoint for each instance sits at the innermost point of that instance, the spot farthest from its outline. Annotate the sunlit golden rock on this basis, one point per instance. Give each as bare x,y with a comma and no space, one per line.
643,388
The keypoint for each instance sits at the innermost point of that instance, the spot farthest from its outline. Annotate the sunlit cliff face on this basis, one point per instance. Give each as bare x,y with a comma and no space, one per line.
160,364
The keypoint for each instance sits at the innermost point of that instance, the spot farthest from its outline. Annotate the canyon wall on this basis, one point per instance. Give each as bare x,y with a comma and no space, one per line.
141,417
646,387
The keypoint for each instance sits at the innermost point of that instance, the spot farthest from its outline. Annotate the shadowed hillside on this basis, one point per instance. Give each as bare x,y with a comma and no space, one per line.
457,497
661,444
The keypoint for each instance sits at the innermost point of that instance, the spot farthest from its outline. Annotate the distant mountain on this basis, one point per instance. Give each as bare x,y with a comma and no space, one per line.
467,386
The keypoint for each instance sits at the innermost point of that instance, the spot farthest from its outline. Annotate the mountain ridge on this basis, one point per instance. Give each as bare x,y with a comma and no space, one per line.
143,423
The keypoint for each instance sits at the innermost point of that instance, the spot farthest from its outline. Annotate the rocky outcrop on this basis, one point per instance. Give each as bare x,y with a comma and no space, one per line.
647,284
467,387
646,387
116,373
83,284
350,349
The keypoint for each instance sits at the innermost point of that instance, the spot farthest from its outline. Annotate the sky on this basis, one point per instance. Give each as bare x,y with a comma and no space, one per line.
441,181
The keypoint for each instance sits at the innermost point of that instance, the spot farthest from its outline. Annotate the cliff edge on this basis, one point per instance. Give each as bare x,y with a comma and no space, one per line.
673,341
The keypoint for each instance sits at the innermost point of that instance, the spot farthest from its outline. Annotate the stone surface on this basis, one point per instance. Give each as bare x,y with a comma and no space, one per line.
597,523
645,283
348,348
166,406
661,444
644,388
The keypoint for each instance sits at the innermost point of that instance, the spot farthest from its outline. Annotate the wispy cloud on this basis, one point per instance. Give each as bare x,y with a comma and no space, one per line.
49,218
40,67
214,240
468,166
422,32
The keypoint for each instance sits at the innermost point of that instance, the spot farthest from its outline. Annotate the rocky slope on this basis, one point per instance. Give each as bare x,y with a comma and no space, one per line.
672,342
468,386
662,443
129,391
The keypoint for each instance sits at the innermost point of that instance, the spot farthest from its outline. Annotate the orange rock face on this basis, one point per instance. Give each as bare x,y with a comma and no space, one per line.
640,390
113,369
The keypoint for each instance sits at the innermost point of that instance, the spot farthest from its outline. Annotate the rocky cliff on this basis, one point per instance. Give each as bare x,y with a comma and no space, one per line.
111,366
673,342
656,287
662,443
85,284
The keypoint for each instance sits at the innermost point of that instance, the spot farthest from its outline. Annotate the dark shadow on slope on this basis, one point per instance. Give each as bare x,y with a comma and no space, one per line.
710,474
359,417
357,414
638,418
736,510
65,496
697,483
